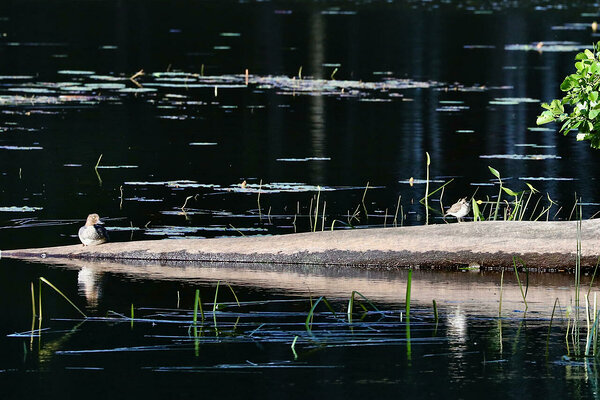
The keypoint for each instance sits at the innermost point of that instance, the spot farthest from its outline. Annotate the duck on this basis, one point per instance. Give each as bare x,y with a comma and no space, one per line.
459,209
93,232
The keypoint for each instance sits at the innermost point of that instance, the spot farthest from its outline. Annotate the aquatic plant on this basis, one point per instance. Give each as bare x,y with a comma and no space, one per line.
582,95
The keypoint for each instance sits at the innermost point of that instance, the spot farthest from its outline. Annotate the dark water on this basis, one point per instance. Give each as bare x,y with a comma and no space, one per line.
247,351
460,81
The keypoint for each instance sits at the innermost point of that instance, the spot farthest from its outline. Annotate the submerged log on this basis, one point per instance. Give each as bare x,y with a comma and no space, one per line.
541,245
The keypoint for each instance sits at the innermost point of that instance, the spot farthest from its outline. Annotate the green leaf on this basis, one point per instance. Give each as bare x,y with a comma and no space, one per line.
566,85
593,96
533,190
557,107
494,172
477,216
510,192
545,118
589,54
580,56
579,66
594,113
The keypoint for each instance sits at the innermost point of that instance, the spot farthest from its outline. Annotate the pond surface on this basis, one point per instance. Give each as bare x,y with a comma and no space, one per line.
211,119
263,340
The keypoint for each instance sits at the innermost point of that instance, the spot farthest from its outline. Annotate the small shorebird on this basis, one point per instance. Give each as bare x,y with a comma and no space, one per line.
459,209
93,232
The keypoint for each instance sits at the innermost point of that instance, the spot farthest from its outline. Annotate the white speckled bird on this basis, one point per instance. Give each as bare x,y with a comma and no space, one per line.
93,232
459,209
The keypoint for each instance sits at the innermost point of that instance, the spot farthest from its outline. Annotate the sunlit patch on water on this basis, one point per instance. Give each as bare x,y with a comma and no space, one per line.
572,26
21,148
278,187
420,181
75,72
304,159
143,199
535,146
184,230
452,108
545,178
540,129
183,183
537,157
20,209
479,46
551,46
203,144
117,166
511,101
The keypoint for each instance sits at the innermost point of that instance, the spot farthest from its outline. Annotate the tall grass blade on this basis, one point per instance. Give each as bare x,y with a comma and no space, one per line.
550,326
214,310
477,215
435,312
497,175
309,317
258,200
427,191
500,304
408,287
42,279
317,208
593,276
33,301
519,282
234,295
363,201
396,213
436,190
132,315
351,304
591,335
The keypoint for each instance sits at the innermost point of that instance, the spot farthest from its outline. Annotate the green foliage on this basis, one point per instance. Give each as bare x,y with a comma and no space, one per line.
582,94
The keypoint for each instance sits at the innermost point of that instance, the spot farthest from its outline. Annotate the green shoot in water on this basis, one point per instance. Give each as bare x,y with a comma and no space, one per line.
408,287
427,191
351,304
550,326
497,175
309,317
42,279
294,348
519,282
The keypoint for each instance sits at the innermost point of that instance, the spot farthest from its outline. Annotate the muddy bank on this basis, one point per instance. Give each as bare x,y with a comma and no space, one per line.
542,245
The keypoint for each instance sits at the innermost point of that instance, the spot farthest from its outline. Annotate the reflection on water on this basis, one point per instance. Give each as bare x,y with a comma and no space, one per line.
88,283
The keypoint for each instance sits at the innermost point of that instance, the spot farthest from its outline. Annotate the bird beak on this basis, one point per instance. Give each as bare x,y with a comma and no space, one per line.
100,222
